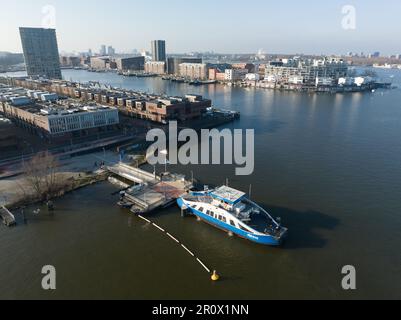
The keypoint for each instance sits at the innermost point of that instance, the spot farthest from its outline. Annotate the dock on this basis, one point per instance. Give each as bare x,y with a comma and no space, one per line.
7,217
149,191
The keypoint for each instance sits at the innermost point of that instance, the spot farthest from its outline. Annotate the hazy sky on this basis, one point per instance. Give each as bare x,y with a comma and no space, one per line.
227,26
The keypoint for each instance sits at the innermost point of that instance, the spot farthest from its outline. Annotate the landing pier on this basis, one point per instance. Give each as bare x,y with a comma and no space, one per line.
149,191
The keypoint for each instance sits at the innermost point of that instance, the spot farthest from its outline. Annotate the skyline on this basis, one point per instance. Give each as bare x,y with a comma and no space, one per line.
222,27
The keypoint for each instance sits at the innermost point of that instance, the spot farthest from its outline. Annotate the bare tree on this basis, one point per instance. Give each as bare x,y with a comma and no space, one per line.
41,175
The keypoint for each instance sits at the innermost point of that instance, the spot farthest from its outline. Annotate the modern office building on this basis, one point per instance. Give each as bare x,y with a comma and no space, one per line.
103,51
41,52
173,63
159,50
111,51
131,64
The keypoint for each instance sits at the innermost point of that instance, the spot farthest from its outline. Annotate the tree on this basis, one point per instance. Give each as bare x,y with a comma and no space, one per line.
42,176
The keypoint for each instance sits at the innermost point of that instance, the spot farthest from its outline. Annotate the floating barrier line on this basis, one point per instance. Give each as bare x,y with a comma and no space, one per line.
162,230
203,265
172,237
144,219
189,251
177,241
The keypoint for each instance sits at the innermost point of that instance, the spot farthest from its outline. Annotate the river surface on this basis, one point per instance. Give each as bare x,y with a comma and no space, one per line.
328,165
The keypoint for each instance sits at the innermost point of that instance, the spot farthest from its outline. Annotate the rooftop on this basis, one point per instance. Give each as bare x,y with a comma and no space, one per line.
228,194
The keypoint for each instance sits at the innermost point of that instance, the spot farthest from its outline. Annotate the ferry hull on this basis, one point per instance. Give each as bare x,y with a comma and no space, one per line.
260,239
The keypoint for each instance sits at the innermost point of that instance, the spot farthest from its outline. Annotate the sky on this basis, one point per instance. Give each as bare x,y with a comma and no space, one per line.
224,26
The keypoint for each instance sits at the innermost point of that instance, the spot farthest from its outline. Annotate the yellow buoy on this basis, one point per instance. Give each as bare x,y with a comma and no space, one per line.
215,276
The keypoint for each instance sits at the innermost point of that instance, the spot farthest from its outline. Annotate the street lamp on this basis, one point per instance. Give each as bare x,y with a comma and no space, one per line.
165,152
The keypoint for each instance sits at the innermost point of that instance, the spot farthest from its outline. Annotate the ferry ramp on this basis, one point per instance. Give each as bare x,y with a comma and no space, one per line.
133,174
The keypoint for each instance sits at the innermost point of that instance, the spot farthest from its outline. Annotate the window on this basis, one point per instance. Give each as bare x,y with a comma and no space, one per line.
201,209
208,212
232,223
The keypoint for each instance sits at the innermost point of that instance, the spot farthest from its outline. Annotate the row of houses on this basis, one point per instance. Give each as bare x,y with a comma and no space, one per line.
145,106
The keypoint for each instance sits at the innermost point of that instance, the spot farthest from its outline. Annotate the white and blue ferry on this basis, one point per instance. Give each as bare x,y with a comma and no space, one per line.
230,210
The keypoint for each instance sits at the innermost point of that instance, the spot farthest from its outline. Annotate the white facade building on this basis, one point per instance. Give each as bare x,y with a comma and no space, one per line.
324,81
80,119
252,77
296,80
235,74
346,81
359,81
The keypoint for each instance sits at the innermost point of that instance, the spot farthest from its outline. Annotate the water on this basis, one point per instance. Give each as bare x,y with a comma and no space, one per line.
327,164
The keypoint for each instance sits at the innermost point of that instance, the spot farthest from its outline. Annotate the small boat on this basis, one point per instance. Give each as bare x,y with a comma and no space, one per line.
195,83
231,211
125,205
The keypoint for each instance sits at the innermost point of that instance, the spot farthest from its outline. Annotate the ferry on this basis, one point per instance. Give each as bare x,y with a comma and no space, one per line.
230,210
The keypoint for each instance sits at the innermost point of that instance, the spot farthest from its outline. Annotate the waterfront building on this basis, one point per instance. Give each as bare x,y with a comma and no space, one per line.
193,71
132,63
173,63
252,77
164,109
346,81
235,74
153,107
324,81
70,61
41,52
308,69
159,50
155,67
359,81
248,66
44,114
100,63
296,80
212,72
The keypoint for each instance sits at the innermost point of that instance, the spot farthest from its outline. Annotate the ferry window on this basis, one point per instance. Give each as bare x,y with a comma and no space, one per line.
224,219
220,218
243,228
232,223
208,212
201,209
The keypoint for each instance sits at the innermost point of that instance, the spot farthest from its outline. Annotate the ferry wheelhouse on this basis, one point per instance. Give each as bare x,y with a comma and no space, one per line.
230,210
